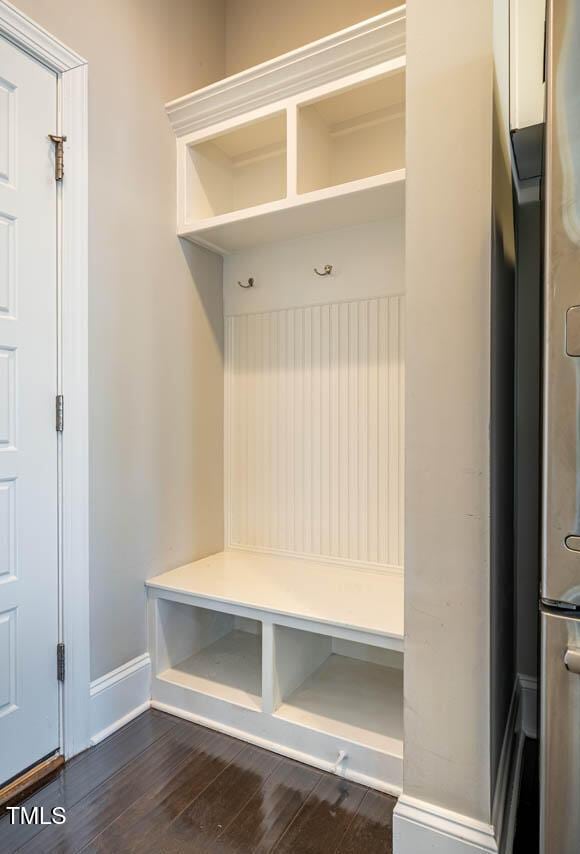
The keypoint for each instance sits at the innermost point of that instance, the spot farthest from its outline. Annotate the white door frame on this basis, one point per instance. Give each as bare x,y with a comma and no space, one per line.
72,285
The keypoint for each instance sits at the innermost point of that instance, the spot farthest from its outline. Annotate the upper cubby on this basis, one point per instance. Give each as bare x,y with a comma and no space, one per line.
307,142
238,169
353,134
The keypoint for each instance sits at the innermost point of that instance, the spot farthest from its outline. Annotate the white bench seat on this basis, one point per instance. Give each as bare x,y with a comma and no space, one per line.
359,600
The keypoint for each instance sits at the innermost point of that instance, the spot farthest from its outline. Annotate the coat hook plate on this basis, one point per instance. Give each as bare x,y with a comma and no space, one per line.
250,283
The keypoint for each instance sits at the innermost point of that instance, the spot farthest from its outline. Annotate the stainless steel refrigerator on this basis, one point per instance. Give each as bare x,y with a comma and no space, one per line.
560,573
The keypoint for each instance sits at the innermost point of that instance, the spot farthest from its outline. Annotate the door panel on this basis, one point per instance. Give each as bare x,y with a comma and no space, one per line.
7,531
7,267
28,443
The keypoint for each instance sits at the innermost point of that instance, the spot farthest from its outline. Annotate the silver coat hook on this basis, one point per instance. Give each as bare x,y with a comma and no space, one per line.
249,285
326,272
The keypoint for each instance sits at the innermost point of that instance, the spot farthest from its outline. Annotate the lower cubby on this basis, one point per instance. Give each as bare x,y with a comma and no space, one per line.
349,690
210,652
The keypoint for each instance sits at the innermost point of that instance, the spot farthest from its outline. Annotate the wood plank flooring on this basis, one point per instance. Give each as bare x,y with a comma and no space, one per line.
166,786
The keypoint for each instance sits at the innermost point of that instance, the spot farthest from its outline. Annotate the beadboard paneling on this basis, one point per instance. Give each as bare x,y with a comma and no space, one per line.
314,431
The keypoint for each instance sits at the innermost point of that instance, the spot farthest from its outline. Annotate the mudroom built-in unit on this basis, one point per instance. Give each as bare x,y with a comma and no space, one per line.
292,636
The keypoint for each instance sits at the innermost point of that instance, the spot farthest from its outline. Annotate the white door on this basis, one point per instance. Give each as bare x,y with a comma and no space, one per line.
29,715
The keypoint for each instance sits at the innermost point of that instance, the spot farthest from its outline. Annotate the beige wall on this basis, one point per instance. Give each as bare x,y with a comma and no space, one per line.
447,561
155,325
257,30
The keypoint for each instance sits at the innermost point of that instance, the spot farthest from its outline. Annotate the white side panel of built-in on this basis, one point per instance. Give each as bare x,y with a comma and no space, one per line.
314,442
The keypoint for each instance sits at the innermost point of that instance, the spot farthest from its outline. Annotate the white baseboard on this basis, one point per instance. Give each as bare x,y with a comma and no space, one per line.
420,827
119,696
275,746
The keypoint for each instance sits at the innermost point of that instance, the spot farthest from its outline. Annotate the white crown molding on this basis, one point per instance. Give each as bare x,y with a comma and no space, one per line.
424,828
29,36
354,49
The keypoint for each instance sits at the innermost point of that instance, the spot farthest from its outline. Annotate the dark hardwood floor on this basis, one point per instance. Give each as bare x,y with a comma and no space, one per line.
164,785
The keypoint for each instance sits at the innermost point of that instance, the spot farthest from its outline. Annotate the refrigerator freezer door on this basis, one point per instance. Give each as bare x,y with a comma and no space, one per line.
561,555
560,736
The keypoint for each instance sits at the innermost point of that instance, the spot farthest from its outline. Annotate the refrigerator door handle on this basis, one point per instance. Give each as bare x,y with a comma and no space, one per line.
573,542
572,660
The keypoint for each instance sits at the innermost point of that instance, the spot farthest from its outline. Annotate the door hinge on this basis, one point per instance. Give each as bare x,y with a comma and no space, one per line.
60,662
59,413
59,142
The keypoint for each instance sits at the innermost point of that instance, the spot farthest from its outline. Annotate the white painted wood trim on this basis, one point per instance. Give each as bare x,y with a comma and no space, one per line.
73,369
29,36
119,696
121,722
420,827
74,379
214,722
423,827
124,671
350,50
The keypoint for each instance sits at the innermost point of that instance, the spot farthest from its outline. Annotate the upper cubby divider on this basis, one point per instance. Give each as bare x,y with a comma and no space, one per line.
309,141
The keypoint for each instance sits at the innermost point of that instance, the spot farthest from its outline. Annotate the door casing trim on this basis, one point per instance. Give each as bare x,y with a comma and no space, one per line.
72,282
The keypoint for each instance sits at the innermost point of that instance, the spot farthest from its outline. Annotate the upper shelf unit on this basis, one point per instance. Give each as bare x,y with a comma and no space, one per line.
310,141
